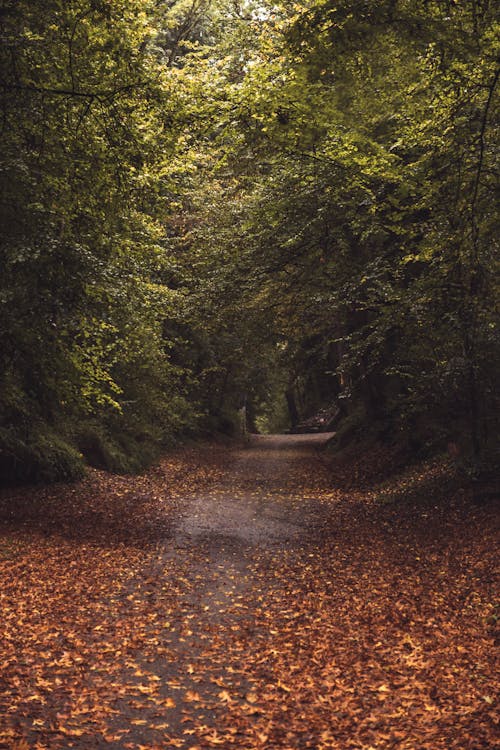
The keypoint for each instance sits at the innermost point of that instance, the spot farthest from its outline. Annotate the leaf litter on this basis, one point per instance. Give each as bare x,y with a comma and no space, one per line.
244,598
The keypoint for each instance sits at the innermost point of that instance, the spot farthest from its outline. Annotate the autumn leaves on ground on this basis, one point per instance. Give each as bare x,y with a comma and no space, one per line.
251,598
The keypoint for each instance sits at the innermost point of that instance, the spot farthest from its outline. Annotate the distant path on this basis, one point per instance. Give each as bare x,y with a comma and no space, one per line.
261,498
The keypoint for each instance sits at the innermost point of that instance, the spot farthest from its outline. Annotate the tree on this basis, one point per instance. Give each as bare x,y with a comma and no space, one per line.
88,125
208,203
356,179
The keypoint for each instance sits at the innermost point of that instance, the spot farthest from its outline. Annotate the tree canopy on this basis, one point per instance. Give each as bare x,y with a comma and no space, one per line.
207,204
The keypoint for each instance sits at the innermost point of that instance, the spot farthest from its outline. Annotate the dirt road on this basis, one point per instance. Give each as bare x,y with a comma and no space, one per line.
268,502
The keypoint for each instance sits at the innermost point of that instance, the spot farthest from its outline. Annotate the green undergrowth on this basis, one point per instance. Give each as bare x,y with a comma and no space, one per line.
117,451
44,453
38,453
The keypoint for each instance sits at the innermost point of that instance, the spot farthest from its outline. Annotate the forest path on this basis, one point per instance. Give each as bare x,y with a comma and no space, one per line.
264,497
266,502
246,598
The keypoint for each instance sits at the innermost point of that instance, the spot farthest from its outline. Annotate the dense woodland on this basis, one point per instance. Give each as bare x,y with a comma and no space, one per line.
207,204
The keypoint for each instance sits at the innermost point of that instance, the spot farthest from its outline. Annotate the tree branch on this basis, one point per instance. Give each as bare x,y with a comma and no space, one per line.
482,145
99,95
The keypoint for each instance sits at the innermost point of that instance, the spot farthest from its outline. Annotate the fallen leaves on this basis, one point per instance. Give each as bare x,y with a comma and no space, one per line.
167,703
192,695
329,621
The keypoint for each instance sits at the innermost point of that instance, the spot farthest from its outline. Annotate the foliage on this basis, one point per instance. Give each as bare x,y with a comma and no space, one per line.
87,132
210,204
354,181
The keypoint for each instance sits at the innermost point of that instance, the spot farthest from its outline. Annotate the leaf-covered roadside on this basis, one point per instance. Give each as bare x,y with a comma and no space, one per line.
373,628
380,638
